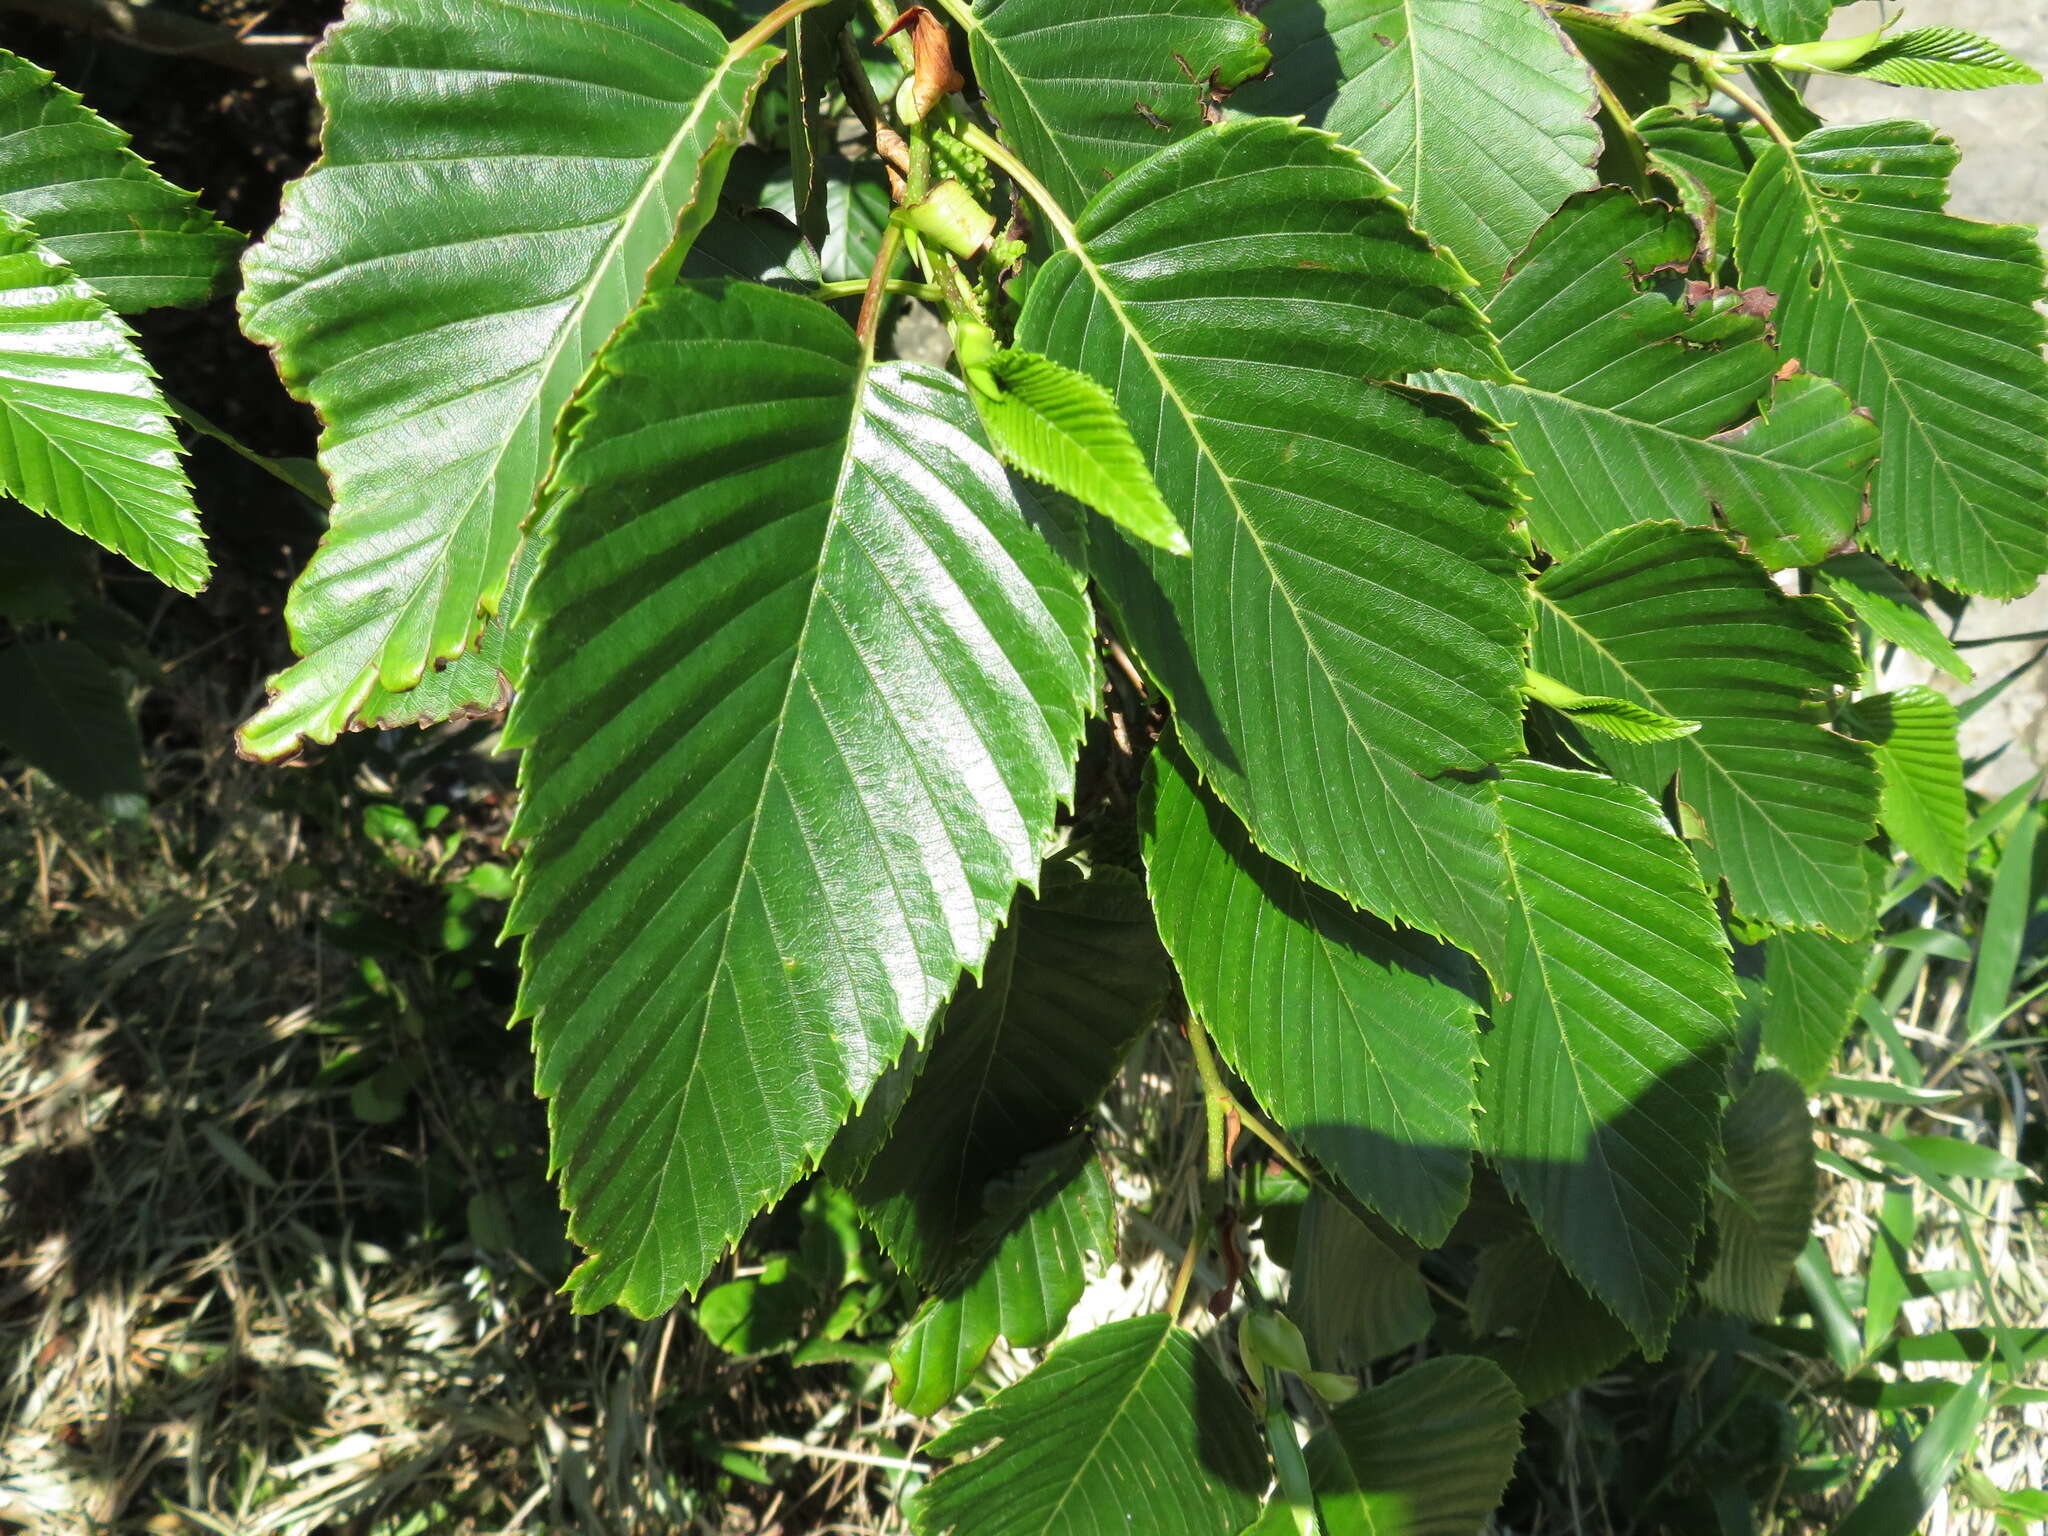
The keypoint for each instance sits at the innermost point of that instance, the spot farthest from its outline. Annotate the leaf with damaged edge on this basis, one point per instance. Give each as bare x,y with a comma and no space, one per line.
499,182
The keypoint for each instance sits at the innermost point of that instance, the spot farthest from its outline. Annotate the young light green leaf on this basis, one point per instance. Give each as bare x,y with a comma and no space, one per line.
97,206
1130,1430
1683,623
1427,1453
1020,1291
1923,806
1927,320
1813,986
1941,59
1062,427
1763,1199
1633,406
85,436
1359,1037
1020,1060
1086,89
64,711
802,696
1622,719
1615,1008
1538,1323
1873,592
1240,293
499,182
1431,92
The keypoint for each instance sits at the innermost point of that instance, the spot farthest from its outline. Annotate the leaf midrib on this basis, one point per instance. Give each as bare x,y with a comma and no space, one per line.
1878,348
1550,992
1070,237
435,570
770,769
1108,1424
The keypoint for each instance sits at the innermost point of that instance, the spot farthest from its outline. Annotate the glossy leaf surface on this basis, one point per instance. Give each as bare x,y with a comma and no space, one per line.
85,436
1478,110
69,174
498,184
1927,320
1129,1430
1682,622
1348,626
1360,1038
1635,406
802,696
1613,1013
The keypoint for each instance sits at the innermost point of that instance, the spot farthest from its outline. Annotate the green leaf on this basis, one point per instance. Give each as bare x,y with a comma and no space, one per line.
1941,59
1707,157
1349,626
803,693
1634,406
1873,592
1813,986
1433,93
1359,1037
1785,21
63,710
1129,1430
499,182
1021,1291
1681,622
1357,1295
1019,1062
1619,718
69,174
1427,1453
758,1314
477,683
1086,89
1923,806
1062,427
1538,1323
1763,1200
1929,321
85,436
1598,1094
